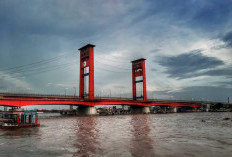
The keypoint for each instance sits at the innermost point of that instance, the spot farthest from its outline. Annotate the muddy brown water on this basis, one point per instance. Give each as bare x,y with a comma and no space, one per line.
174,135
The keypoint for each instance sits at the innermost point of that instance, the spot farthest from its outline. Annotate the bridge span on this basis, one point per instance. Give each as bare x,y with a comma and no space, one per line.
21,100
87,100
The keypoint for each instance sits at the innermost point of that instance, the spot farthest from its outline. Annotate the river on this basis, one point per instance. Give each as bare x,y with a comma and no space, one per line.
174,135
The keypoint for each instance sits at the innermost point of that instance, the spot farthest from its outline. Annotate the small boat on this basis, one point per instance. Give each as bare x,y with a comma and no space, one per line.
19,119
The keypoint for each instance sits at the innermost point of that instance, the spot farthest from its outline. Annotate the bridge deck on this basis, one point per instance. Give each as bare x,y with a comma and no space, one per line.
20,100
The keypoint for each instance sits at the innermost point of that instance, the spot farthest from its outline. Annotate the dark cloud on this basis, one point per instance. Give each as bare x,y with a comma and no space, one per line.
228,39
205,93
219,72
212,14
186,65
197,93
205,15
225,71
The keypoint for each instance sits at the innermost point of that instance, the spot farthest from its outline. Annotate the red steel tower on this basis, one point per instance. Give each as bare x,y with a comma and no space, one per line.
87,69
138,69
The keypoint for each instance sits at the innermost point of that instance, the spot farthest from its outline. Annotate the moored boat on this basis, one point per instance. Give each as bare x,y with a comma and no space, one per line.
19,119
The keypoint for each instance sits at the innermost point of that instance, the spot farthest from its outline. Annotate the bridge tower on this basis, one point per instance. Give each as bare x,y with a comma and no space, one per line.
138,69
87,69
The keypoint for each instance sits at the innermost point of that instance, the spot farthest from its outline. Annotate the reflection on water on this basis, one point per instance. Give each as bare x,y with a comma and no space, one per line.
141,138
86,137
190,134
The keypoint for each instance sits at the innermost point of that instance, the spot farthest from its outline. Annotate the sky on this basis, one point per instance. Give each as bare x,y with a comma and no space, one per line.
187,46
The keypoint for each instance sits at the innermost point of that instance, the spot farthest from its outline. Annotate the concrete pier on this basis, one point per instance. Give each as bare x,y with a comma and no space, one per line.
165,110
140,109
175,109
87,111
208,106
5,108
71,107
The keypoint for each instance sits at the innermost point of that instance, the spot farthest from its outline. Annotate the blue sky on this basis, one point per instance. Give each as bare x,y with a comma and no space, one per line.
187,45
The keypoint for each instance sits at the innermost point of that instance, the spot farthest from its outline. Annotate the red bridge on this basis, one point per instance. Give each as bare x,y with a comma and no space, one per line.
86,100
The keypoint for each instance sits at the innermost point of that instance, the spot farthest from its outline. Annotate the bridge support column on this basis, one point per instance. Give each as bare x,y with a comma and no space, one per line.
140,109
207,107
5,108
87,69
71,107
87,110
165,109
138,70
175,109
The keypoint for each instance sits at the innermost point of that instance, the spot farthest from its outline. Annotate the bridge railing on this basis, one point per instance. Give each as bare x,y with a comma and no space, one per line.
97,97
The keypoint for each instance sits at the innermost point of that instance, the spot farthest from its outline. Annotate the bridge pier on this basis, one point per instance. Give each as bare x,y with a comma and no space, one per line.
208,107
87,110
164,109
71,107
195,109
140,109
175,109
5,108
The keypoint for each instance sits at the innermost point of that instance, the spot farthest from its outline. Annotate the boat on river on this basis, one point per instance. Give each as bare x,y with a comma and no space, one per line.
19,119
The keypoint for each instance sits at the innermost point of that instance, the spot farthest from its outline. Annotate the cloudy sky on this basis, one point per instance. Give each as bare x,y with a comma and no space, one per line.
187,44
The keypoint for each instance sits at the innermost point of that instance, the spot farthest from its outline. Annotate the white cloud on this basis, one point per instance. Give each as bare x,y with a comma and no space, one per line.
13,84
